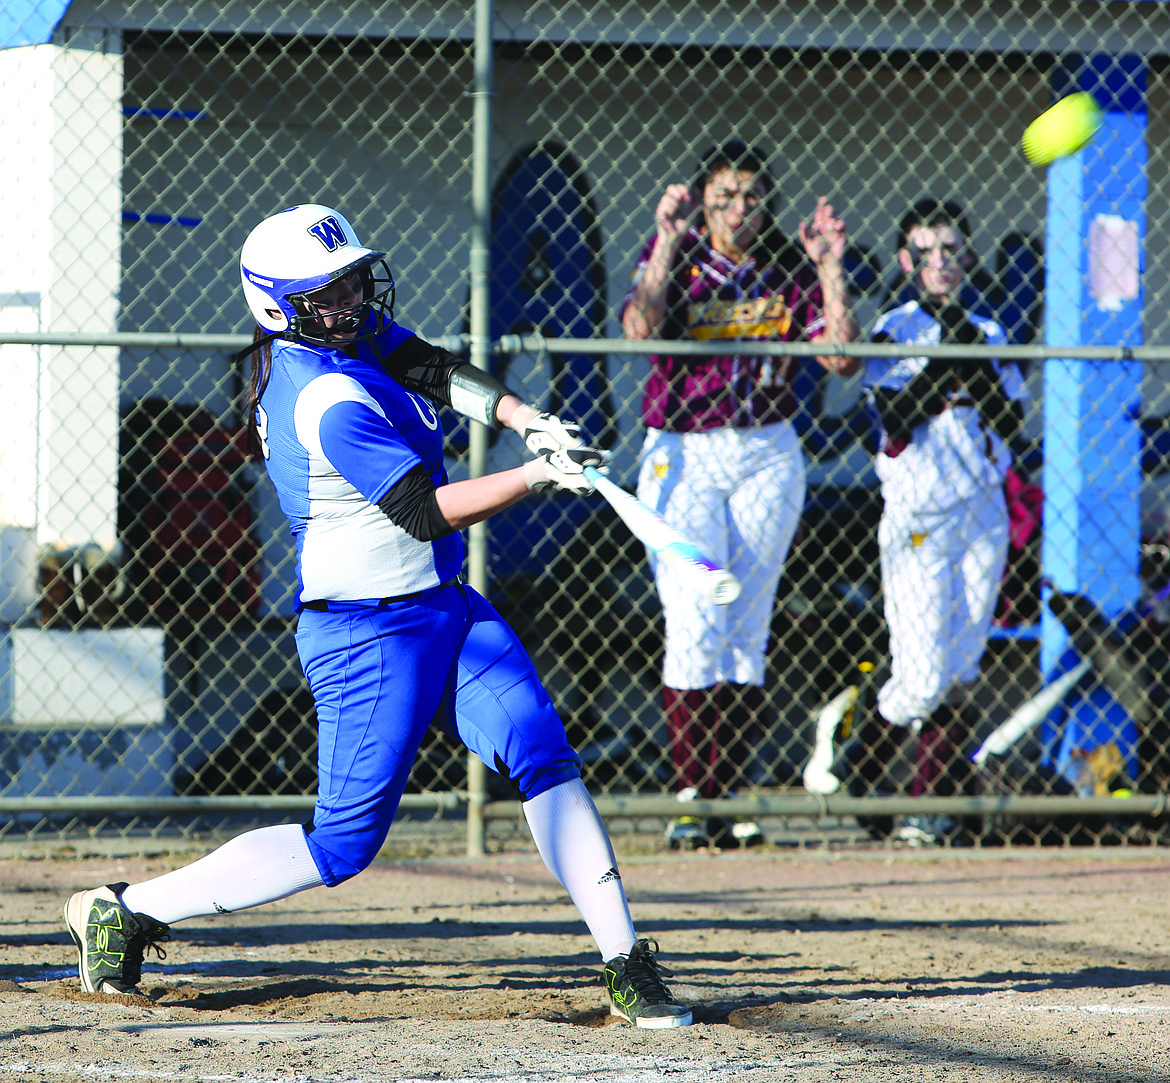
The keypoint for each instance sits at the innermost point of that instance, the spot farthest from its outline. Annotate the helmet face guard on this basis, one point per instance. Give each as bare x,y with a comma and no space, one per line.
375,312
307,248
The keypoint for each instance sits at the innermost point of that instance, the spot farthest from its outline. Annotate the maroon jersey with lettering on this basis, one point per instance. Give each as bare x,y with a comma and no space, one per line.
709,297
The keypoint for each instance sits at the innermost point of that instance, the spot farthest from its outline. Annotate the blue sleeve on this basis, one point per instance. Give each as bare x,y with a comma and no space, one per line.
365,449
337,419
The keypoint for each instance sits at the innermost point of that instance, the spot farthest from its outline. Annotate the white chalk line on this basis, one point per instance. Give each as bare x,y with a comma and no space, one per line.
664,1072
1099,1009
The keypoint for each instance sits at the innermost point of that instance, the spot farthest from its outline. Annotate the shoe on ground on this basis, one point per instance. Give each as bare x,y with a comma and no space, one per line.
637,993
686,833
736,833
747,831
111,941
925,830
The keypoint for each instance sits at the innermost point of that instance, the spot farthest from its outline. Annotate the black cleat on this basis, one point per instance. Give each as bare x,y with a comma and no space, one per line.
636,992
111,941
686,833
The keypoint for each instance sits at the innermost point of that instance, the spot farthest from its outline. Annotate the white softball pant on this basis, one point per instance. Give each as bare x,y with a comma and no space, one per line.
738,494
941,575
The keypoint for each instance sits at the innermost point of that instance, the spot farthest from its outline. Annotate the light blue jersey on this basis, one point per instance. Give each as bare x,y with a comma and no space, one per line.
337,433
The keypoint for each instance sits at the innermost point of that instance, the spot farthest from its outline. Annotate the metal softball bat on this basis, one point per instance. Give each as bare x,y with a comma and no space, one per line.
1029,715
718,585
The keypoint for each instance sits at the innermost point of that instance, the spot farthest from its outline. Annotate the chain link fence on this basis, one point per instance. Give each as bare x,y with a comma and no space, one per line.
147,667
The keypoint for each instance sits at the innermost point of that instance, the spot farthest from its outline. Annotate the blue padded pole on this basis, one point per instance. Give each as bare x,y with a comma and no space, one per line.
1095,252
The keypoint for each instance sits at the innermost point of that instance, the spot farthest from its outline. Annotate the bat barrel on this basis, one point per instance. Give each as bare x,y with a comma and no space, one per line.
723,588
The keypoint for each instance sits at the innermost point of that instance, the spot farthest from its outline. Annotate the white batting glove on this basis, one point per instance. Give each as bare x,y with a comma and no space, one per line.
565,470
544,432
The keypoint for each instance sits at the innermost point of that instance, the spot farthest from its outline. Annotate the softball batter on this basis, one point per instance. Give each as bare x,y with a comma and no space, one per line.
721,460
343,413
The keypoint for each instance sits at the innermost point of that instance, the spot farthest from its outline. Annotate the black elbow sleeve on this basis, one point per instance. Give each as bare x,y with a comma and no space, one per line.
410,503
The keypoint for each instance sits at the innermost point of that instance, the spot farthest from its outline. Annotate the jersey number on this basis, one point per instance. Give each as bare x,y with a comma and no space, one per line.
262,430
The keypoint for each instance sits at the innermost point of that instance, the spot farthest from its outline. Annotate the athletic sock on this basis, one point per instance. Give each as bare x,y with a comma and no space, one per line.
254,868
693,723
571,837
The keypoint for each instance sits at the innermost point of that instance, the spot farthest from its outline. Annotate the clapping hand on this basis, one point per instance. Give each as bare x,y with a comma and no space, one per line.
675,210
826,237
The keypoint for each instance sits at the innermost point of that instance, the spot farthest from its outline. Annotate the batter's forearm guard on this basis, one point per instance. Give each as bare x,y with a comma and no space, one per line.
447,380
475,393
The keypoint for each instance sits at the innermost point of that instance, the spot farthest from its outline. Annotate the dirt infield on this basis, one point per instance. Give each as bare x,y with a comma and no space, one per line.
954,966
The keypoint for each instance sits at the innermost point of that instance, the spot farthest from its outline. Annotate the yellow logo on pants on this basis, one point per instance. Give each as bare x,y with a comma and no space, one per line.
917,539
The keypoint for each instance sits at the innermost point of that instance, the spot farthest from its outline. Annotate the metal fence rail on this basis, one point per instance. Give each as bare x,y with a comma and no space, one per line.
510,161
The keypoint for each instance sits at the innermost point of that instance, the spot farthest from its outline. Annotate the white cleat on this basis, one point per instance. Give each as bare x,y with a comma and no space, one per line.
818,774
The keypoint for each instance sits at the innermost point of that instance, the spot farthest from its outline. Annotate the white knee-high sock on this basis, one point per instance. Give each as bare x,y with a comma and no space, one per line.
571,837
256,867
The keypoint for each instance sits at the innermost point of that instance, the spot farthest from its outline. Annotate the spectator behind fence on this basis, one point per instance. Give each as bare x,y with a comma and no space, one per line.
1013,295
343,411
946,429
721,459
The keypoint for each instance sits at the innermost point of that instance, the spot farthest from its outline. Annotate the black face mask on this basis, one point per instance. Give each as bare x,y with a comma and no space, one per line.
351,321
369,318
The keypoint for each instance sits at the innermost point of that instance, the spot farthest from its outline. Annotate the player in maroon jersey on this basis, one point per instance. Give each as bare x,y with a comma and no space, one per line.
722,460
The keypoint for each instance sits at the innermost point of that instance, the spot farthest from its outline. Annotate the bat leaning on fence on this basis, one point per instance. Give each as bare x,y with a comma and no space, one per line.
1029,715
1102,642
833,722
818,775
1102,650
717,584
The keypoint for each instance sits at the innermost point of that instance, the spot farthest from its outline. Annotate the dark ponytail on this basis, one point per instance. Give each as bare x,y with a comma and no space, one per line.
261,371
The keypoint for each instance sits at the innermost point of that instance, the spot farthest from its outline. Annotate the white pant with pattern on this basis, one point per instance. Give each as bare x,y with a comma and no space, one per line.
941,573
738,494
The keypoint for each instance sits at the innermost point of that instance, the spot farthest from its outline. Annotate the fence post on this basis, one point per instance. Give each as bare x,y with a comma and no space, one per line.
481,196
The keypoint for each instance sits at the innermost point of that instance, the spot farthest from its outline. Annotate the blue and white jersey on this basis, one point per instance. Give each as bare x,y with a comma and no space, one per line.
953,456
909,323
337,434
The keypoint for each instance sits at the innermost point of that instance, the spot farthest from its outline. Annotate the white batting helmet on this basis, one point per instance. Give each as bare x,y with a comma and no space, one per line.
300,250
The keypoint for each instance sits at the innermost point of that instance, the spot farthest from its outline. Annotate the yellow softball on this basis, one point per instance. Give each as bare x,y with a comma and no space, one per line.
1062,130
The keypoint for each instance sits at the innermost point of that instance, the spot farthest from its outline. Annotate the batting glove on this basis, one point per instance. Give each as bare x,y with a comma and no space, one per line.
564,469
545,432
